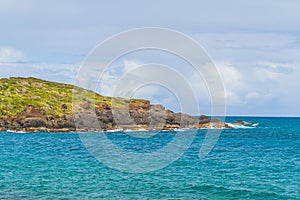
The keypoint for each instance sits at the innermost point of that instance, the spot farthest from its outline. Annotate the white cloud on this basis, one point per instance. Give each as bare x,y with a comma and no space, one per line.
13,63
277,68
233,83
270,87
247,89
11,55
140,79
129,65
260,70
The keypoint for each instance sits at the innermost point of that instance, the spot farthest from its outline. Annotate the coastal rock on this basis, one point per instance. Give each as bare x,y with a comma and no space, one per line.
203,119
108,119
241,122
34,122
66,122
140,117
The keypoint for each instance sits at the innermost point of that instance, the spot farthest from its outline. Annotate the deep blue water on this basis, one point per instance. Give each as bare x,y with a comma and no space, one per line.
256,163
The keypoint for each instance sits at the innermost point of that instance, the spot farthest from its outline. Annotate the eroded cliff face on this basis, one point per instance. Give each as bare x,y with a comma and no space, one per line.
155,117
30,104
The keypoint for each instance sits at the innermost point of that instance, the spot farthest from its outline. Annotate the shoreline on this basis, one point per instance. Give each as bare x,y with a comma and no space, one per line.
238,124
117,129
67,130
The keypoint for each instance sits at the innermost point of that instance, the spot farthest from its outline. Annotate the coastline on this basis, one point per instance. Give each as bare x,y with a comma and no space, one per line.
118,128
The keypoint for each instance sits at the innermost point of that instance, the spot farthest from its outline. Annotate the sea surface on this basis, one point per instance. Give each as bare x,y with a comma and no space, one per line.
261,162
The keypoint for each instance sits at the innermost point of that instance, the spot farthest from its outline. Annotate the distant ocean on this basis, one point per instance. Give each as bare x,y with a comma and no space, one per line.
262,162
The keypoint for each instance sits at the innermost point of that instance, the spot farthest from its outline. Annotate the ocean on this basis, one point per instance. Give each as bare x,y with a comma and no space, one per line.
261,162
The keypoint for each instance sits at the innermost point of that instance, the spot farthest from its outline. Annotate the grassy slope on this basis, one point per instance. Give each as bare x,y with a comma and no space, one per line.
18,93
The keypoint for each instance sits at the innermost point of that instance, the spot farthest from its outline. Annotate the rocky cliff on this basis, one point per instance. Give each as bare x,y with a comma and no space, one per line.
30,104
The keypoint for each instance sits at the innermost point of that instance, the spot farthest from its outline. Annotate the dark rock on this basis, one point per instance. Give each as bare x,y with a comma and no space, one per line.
203,119
34,122
187,120
107,118
241,122
64,106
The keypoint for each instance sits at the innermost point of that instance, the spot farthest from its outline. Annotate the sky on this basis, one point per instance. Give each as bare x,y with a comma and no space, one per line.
255,46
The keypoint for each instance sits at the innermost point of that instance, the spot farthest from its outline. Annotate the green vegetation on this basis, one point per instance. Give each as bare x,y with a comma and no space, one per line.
53,99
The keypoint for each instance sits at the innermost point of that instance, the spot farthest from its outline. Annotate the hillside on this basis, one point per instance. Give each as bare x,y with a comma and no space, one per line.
53,99
31,104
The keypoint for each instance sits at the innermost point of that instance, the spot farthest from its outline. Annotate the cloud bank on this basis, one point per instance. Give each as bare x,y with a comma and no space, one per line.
255,46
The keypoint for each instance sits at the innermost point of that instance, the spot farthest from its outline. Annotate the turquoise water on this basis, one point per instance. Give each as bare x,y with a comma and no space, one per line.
256,163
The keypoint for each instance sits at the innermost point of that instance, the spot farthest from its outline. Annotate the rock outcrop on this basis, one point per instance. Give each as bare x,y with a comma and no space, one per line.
155,117
241,122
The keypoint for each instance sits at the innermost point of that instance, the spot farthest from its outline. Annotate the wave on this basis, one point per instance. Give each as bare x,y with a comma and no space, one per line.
181,129
138,130
112,131
12,131
241,126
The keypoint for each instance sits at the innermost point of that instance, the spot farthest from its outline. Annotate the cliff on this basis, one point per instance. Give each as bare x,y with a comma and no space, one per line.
31,104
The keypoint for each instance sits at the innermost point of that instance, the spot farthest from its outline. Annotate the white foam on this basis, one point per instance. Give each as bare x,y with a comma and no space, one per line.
181,129
135,130
211,128
238,126
11,131
116,130
129,130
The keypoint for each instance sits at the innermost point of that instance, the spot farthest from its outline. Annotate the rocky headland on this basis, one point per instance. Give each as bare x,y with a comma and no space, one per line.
34,105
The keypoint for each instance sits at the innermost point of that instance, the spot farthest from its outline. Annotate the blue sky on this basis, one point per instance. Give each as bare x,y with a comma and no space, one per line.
254,44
